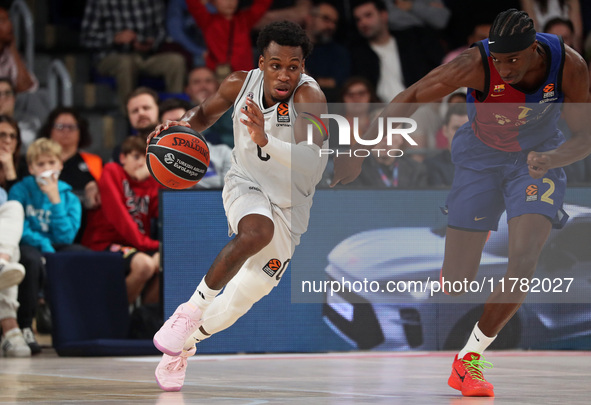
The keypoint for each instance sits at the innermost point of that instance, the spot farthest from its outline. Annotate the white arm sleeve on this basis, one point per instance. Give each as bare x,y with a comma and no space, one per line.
303,157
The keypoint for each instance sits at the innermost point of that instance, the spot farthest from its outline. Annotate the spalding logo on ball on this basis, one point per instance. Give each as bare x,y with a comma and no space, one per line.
178,157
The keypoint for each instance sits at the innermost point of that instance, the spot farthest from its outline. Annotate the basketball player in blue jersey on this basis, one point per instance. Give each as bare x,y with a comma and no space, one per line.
267,193
509,156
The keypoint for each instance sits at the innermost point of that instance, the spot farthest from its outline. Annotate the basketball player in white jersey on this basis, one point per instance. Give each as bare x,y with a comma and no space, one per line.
267,193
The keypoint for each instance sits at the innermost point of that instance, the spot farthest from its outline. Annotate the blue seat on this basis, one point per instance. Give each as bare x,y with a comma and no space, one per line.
88,302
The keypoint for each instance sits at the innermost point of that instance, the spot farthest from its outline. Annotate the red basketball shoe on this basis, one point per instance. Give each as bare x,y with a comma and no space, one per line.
466,376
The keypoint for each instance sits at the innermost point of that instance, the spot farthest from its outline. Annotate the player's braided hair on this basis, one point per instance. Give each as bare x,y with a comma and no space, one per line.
284,33
511,22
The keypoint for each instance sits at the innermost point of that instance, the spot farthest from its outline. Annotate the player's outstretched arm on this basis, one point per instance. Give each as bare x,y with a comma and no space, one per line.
207,113
464,71
577,112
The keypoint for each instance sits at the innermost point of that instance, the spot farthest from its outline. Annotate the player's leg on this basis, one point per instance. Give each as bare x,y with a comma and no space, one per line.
250,217
475,204
463,250
257,277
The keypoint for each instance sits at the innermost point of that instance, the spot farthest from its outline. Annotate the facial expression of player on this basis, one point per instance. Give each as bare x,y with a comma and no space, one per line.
282,67
45,162
142,111
513,66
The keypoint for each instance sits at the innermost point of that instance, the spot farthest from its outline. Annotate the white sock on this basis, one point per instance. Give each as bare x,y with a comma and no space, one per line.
203,296
477,343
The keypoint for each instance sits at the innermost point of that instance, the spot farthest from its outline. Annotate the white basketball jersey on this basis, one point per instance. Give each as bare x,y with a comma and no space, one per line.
284,187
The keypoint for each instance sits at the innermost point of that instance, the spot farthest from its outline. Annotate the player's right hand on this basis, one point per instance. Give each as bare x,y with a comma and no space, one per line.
164,126
346,169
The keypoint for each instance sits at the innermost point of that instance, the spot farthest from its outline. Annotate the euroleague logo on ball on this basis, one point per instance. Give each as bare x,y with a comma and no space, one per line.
169,158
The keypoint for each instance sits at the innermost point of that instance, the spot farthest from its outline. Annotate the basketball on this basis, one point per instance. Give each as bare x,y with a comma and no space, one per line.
178,157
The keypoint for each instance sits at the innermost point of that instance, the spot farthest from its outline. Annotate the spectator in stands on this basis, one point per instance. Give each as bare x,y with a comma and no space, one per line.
388,167
82,170
563,28
11,63
13,343
389,62
291,10
201,84
182,28
359,99
141,107
479,32
542,11
227,33
330,62
28,123
11,171
220,156
440,169
405,14
122,224
359,102
52,219
142,110
458,96
125,37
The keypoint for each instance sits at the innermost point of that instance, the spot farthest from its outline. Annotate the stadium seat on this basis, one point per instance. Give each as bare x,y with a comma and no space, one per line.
88,301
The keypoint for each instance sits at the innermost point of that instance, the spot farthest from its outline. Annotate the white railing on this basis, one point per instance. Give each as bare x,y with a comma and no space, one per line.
21,14
59,85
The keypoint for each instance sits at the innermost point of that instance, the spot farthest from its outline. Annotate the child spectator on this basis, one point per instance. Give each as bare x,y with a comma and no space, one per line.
81,170
227,33
52,219
129,198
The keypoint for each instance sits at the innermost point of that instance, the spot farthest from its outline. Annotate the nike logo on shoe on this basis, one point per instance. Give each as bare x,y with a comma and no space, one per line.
461,377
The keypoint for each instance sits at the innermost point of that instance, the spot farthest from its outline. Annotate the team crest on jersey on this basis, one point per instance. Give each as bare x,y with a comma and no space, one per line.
531,193
283,112
499,88
272,266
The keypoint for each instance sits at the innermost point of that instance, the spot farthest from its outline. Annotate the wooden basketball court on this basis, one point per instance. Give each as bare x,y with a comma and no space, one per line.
338,378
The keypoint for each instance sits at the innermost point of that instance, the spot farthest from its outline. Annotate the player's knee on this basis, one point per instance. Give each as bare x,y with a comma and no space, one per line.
522,265
253,239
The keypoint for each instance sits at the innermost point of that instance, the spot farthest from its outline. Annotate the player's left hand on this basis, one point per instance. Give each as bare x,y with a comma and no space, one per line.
538,164
255,122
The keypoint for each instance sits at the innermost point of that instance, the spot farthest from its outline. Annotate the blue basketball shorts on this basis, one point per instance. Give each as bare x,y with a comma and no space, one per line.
488,181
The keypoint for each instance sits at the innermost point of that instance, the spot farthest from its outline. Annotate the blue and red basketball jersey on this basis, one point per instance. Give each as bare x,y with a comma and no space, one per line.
511,120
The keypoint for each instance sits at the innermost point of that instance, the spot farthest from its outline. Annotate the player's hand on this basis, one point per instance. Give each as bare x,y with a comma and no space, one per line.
346,169
255,122
538,164
164,126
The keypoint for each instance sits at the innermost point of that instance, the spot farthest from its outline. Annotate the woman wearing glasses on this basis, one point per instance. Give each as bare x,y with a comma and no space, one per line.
82,170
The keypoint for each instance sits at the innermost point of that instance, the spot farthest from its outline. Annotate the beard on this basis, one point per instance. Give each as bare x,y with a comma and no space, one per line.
146,130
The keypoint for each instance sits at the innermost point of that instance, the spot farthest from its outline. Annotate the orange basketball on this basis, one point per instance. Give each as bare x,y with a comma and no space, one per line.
178,157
